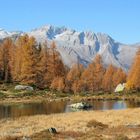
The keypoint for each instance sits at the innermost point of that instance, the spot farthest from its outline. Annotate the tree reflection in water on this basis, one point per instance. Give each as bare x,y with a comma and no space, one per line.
28,109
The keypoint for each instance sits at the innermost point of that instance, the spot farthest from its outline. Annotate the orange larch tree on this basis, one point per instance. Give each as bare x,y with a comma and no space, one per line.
29,61
133,81
56,67
98,72
74,76
93,75
42,66
58,84
7,59
119,77
107,83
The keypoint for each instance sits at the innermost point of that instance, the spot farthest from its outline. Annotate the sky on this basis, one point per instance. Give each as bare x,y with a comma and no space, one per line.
118,18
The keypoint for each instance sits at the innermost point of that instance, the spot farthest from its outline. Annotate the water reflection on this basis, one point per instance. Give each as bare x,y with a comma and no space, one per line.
27,109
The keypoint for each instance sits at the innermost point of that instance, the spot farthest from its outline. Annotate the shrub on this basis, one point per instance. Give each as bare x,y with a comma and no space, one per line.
2,95
95,124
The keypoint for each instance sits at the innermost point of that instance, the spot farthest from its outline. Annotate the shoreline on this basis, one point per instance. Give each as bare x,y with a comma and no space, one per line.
40,98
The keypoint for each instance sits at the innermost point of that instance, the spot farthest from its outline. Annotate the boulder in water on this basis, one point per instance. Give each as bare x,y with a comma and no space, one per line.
81,105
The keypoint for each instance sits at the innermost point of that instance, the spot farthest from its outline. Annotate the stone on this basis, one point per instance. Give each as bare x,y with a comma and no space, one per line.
23,87
52,130
81,105
26,138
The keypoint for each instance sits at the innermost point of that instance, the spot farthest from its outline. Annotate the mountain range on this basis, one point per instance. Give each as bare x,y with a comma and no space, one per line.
82,47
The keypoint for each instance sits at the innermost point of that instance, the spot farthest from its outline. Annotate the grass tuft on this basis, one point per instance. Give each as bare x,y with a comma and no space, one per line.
96,124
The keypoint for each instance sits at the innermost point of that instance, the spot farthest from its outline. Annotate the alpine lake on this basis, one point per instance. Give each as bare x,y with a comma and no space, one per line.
15,110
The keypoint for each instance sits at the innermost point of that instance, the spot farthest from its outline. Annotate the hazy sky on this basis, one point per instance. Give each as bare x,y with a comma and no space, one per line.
118,18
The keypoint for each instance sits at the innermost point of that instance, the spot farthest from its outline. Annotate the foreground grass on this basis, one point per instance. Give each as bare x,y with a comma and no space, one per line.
89,125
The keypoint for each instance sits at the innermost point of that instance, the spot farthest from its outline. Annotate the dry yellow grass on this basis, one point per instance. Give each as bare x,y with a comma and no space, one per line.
76,122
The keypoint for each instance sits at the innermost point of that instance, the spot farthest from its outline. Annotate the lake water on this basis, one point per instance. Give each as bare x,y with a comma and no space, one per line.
28,109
